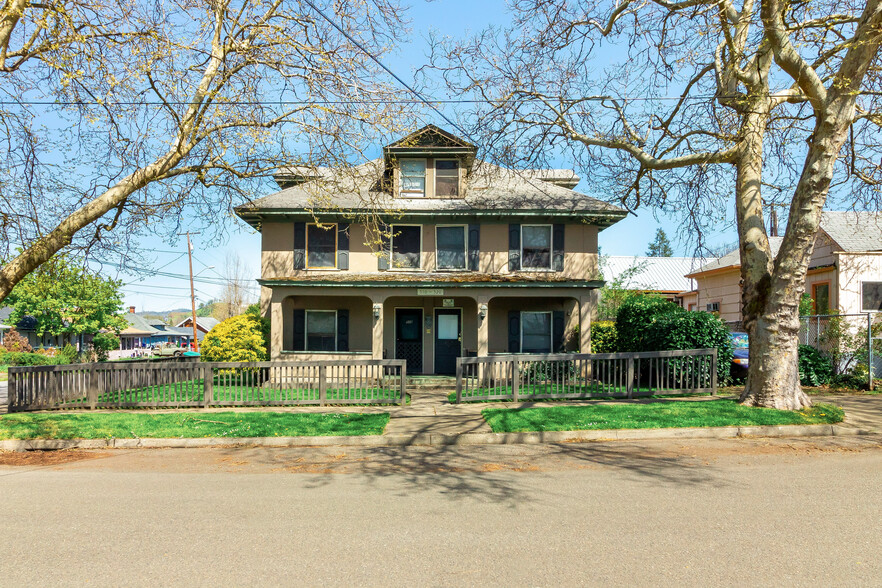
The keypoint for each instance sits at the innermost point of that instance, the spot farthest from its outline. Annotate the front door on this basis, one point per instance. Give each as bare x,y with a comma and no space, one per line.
448,340
409,338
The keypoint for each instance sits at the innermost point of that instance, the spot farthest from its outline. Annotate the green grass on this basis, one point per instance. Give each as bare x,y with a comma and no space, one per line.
655,415
130,425
593,392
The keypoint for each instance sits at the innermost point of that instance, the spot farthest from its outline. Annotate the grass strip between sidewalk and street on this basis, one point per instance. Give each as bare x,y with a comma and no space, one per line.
654,415
131,425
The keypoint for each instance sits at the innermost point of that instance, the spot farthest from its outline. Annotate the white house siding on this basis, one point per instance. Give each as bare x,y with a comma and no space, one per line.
854,269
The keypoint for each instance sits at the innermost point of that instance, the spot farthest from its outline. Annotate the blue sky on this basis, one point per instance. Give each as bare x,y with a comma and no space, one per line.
159,293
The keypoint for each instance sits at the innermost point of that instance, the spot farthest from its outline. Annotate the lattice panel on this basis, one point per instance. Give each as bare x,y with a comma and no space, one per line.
412,351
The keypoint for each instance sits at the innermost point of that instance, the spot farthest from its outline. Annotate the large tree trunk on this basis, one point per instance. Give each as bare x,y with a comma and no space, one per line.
773,374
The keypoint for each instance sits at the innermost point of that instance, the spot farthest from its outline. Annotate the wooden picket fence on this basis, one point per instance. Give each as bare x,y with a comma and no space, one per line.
200,385
521,376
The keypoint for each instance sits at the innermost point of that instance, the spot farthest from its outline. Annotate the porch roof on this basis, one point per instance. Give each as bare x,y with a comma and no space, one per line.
435,279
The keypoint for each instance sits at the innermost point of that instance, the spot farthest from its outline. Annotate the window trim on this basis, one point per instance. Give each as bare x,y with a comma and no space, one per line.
719,304
815,300
550,329
550,249
336,245
465,249
392,267
306,330
402,193
862,294
458,179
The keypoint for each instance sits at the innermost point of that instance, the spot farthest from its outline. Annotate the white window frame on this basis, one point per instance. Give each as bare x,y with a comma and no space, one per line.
336,244
550,250
550,329
402,193
458,186
465,244
306,330
392,250
862,294
717,302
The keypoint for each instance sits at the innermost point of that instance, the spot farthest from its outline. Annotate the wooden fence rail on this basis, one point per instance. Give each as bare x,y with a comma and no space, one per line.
520,377
192,385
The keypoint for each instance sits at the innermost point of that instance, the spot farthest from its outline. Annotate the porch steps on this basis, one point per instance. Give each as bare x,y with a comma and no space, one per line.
425,382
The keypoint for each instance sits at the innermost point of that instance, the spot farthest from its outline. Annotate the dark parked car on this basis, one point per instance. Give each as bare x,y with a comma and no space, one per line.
739,355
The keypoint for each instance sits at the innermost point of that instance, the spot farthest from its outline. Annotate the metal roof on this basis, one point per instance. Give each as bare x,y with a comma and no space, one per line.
658,274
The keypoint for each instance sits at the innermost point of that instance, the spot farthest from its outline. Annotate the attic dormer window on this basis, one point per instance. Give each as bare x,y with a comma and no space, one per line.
446,178
413,178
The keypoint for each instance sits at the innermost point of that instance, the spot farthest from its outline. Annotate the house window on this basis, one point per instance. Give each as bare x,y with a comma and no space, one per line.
450,243
871,296
321,246
821,298
446,178
536,332
406,246
413,178
713,308
536,246
321,330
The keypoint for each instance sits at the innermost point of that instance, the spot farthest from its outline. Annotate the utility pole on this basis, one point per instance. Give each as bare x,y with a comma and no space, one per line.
192,293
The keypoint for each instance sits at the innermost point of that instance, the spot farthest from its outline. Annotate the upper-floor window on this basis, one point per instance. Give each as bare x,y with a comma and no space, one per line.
871,296
406,246
446,178
536,246
321,246
413,177
450,244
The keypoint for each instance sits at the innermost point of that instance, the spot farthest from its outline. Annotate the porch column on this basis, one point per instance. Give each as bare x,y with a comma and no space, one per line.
377,315
587,304
277,328
483,326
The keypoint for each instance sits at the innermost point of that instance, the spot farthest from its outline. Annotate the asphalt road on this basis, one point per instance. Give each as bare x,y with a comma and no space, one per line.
794,512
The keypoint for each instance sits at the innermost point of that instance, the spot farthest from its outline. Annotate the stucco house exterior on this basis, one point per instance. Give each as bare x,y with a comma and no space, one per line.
845,271
427,254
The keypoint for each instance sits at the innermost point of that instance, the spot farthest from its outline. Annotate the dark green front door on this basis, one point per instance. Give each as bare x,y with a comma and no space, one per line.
448,340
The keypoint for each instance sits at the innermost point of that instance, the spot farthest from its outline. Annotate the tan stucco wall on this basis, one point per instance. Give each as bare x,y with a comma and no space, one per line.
360,320
277,258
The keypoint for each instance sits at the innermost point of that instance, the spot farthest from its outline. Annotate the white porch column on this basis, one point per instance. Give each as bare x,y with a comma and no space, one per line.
277,329
483,325
377,315
587,304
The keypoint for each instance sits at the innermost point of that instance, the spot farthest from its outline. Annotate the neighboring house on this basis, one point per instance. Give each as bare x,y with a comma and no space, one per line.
203,325
143,332
27,327
844,274
476,259
665,276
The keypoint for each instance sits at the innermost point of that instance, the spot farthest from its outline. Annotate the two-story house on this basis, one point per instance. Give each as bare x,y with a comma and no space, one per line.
427,254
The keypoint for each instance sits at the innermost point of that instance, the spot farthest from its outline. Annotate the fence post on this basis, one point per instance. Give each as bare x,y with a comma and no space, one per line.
404,383
207,385
515,379
714,372
323,385
870,349
12,390
458,380
629,386
93,387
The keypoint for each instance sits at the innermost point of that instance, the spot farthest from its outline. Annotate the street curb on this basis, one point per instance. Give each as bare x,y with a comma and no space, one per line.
433,439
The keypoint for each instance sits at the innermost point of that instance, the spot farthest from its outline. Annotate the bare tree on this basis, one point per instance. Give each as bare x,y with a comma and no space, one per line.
681,105
237,292
151,113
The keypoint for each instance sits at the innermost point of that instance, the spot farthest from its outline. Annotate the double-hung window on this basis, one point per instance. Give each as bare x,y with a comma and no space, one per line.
406,246
871,296
536,247
321,246
413,178
450,244
821,297
446,178
536,332
321,330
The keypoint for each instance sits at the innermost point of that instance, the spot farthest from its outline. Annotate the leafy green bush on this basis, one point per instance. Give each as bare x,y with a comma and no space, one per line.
603,337
104,343
236,339
635,315
253,310
814,368
68,354
19,358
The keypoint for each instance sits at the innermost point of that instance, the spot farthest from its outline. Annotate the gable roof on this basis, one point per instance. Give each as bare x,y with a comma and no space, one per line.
430,136
489,188
733,258
205,322
854,231
138,325
657,274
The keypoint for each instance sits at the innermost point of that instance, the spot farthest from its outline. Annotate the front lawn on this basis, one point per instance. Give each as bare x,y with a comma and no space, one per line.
188,424
553,392
655,415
